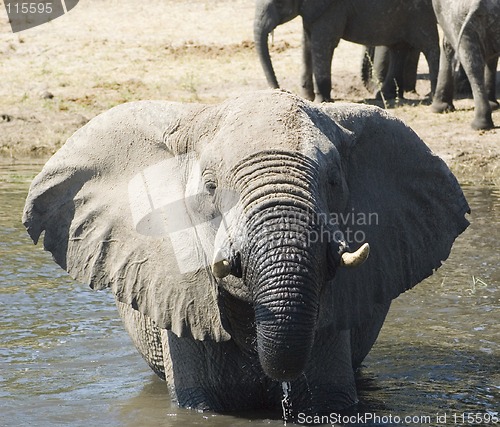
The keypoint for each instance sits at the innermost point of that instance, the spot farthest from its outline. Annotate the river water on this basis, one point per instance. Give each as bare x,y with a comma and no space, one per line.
65,359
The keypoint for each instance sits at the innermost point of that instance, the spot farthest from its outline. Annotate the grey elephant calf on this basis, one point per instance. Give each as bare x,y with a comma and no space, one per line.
234,236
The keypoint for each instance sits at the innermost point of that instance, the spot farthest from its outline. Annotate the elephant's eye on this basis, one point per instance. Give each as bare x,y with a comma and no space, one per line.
210,187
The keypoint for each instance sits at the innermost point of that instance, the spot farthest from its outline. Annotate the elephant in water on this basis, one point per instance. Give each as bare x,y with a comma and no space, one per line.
397,24
471,36
233,237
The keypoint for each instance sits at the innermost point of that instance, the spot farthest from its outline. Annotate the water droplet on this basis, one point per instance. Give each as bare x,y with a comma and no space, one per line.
286,404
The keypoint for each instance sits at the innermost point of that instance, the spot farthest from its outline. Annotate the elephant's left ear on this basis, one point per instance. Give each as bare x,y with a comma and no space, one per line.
112,204
403,201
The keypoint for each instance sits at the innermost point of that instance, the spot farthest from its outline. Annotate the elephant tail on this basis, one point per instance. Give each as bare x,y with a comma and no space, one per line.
367,67
474,7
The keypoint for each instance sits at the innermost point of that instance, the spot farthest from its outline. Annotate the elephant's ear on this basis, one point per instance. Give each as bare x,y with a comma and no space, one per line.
111,203
403,200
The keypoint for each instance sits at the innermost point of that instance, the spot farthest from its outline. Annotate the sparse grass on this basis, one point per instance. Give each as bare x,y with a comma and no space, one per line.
190,83
476,283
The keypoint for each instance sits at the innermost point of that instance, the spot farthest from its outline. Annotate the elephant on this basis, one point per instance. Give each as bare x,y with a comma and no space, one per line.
375,69
394,23
376,62
235,238
471,35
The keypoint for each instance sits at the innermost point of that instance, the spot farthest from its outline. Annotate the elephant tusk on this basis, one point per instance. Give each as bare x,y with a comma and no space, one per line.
221,269
355,259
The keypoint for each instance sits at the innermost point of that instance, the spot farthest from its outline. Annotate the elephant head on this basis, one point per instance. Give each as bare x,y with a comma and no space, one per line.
268,15
176,206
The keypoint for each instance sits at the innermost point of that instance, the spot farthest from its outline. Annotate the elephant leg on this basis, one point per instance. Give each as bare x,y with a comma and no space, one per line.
145,335
472,59
322,48
410,70
460,81
432,55
381,62
393,82
328,382
364,336
207,375
443,96
307,73
490,77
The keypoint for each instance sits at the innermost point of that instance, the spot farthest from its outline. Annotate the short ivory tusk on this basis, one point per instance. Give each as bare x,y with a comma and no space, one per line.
355,259
221,268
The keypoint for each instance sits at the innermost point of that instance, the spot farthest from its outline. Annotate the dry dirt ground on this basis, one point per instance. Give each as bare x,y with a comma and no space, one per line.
56,77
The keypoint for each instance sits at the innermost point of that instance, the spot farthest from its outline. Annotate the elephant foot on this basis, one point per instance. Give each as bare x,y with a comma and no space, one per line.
320,99
442,107
382,95
482,123
242,397
323,399
308,96
308,93
192,398
494,105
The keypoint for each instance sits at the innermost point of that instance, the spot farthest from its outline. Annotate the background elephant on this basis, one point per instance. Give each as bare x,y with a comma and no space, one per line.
227,297
392,23
472,36
375,66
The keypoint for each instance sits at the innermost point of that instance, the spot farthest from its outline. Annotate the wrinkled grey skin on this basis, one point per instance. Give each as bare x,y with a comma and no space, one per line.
288,311
392,23
472,35
375,69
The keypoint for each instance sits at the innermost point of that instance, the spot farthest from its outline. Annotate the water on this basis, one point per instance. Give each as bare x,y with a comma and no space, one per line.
65,359
286,404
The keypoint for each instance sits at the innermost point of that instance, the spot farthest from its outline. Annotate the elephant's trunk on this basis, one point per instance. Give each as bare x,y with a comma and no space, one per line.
284,263
285,272
263,25
286,306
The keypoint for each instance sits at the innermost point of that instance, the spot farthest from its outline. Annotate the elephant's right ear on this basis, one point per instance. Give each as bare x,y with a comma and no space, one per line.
111,203
402,199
